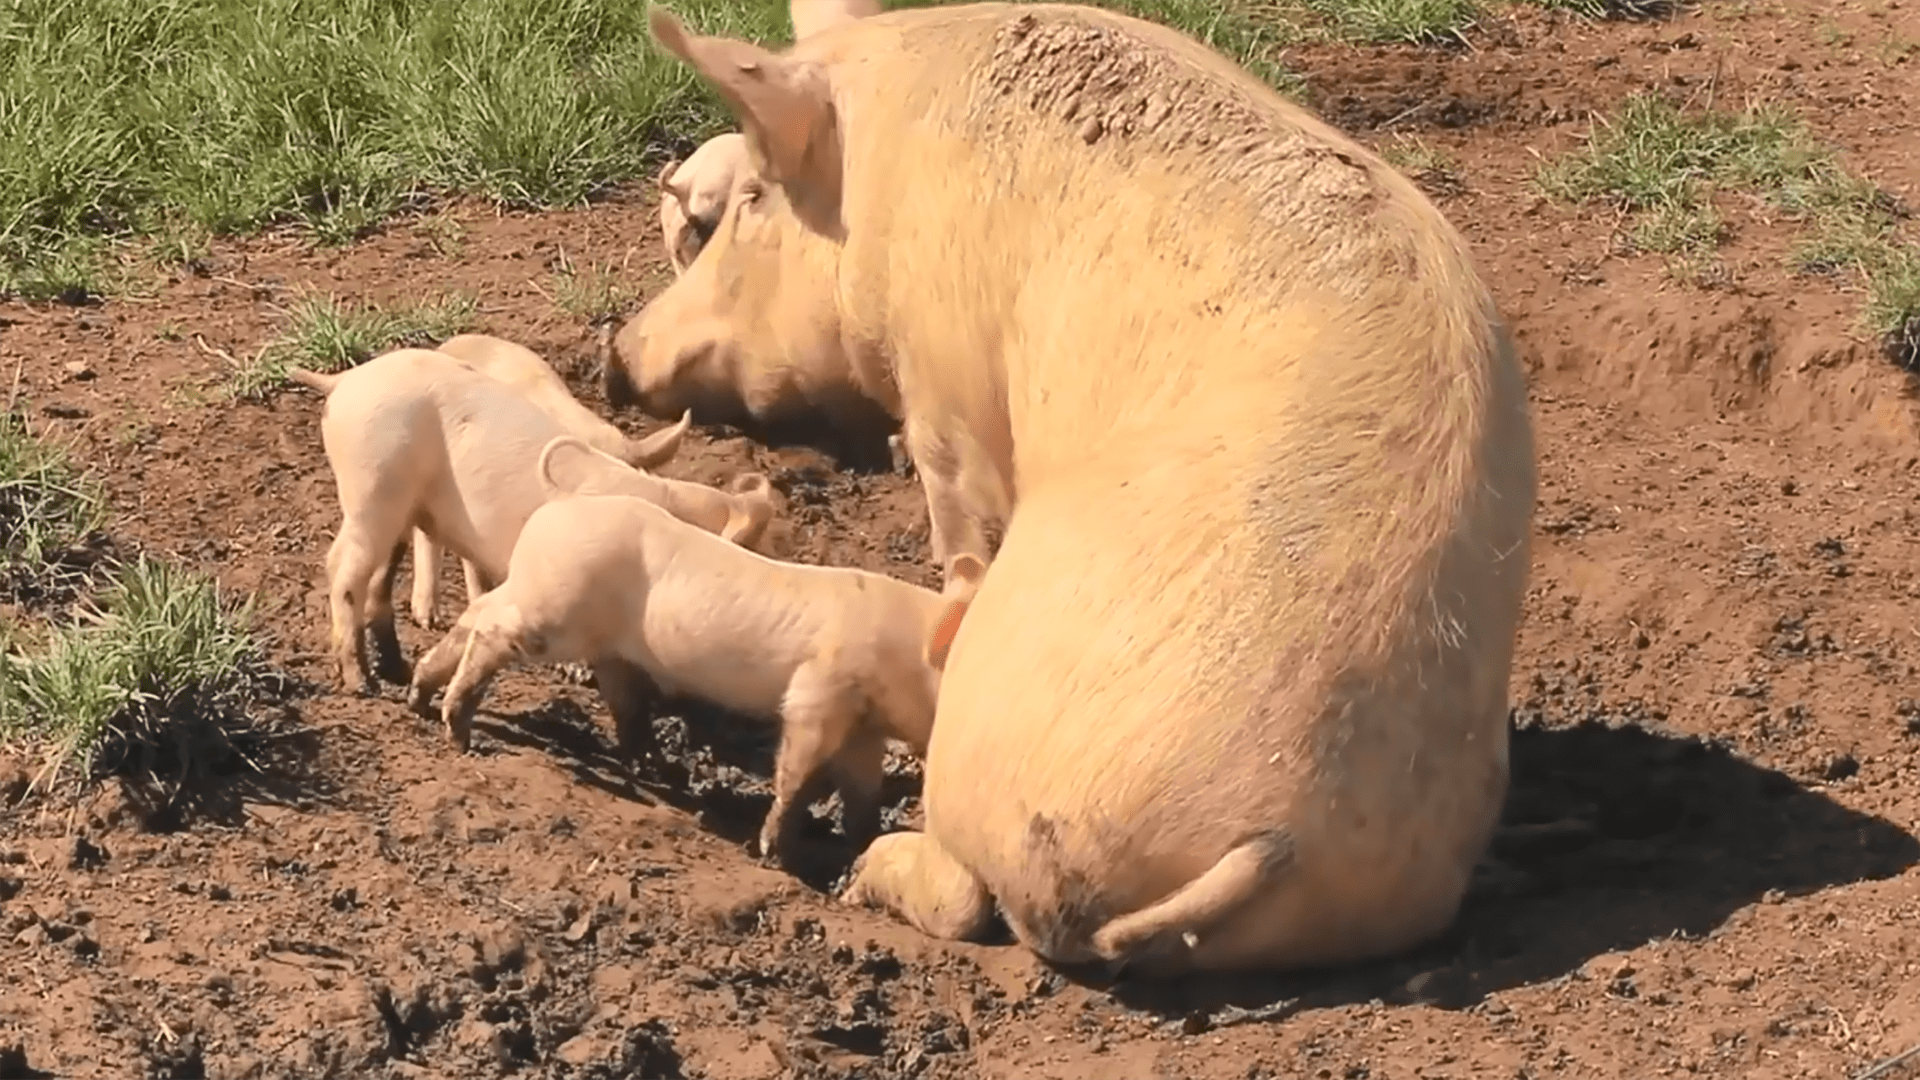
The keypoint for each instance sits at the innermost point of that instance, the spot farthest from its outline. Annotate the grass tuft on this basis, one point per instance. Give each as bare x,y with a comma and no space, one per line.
1893,305
593,293
1683,228
1387,22
49,510
1652,155
154,682
1661,165
324,334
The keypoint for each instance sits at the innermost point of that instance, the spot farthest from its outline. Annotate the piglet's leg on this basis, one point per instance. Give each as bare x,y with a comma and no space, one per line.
351,563
426,578
626,690
490,648
860,767
437,666
912,876
816,718
389,660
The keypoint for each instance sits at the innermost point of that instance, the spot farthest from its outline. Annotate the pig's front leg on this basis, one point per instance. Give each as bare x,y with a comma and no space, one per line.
955,523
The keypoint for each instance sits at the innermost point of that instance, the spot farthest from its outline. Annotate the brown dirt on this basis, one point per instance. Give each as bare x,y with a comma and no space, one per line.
1716,742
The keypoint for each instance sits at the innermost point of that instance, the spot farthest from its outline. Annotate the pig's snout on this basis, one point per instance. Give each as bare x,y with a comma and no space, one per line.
662,374
616,383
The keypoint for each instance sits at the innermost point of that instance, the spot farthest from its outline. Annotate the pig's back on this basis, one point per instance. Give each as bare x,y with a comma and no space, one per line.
1075,226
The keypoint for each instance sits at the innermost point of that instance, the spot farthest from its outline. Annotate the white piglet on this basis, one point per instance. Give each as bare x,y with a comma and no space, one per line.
693,195
568,466
534,379
844,658
417,439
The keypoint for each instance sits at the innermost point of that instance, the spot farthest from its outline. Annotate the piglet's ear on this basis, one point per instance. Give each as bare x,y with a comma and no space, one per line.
964,573
940,640
785,109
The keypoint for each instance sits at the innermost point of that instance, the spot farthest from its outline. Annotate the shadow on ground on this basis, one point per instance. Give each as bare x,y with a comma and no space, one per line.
714,766
1613,835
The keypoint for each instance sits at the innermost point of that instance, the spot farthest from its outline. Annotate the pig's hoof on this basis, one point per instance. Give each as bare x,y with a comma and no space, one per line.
460,737
767,850
417,699
898,456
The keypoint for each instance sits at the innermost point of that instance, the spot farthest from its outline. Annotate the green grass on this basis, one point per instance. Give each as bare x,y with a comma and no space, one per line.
1383,22
153,681
1652,155
185,119
48,509
326,334
592,293
1663,166
1893,304
124,117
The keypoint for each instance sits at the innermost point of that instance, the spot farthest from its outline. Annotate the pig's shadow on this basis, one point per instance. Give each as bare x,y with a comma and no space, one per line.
1612,836
717,768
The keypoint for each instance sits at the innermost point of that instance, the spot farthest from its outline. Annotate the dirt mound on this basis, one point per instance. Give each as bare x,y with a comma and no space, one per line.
1671,359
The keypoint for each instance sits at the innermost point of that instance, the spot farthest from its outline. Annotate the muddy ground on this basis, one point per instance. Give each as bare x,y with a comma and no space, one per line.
1714,698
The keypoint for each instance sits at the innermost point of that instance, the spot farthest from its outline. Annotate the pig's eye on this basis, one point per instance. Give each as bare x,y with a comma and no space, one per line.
751,191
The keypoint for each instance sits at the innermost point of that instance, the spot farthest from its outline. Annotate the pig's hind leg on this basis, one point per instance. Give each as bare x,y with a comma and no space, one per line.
818,714
389,660
353,560
627,691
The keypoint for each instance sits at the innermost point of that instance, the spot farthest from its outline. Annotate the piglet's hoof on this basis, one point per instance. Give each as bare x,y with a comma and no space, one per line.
418,699
901,460
766,847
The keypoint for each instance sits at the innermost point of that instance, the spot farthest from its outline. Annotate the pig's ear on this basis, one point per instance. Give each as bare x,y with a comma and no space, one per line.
964,572
785,108
812,16
940,639
668,185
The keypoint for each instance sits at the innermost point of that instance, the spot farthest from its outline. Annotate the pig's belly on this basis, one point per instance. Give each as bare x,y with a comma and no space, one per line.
691,652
